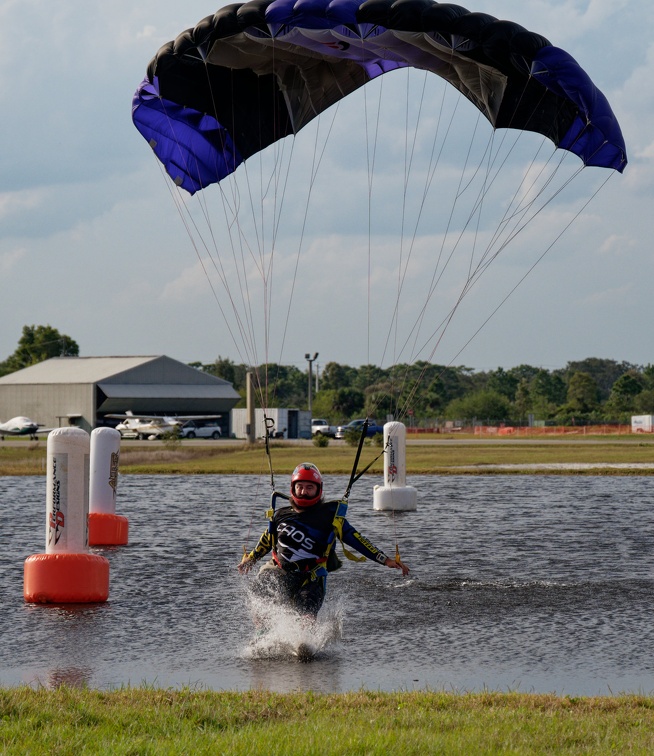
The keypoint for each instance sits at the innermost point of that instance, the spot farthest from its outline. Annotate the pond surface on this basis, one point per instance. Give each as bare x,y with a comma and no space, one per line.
530,583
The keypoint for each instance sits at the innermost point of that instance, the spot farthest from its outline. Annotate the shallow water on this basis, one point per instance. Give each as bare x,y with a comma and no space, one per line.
526,583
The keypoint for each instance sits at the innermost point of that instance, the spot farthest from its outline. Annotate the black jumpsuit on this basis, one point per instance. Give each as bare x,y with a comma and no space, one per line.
299,541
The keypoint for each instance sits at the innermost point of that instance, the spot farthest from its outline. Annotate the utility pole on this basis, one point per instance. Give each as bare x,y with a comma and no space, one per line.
310,360
250,426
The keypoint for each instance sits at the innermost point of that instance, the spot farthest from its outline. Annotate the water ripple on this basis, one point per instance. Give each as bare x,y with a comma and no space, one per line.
521,582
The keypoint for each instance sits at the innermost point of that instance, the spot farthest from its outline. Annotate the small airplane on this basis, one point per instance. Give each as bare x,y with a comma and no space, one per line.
22,426
152,426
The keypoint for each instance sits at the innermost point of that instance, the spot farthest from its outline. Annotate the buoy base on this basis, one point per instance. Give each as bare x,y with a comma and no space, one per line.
66,579
395,498
107,529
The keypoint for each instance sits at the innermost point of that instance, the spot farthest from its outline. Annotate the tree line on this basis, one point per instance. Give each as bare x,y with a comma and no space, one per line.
590,391
38,343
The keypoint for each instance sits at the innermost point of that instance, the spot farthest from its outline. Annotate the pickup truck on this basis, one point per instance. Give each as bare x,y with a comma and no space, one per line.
355,425
320,427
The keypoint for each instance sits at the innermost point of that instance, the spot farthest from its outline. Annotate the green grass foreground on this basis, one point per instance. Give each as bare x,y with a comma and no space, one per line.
451,456
149,721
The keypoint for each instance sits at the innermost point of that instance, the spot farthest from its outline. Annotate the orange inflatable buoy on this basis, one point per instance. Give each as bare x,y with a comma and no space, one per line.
66,578
107,529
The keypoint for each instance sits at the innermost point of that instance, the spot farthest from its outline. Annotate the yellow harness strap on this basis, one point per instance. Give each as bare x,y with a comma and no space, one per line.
338,529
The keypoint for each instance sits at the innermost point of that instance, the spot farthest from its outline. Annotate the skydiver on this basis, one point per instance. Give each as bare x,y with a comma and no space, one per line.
299,538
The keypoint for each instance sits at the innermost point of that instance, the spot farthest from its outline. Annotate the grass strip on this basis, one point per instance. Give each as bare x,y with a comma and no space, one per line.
150,721
454,457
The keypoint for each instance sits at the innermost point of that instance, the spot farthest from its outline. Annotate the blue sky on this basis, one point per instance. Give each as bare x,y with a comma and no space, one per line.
92,243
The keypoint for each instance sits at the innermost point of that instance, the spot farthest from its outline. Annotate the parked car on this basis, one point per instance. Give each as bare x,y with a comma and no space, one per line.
320,427
200,429
356,425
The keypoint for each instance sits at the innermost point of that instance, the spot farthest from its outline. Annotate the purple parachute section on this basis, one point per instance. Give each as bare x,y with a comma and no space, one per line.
256,72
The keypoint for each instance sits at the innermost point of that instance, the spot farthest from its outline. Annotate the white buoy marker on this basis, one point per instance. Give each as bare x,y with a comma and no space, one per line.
395,495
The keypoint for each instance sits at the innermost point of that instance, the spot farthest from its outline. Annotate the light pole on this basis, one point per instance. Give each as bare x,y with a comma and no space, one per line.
310,360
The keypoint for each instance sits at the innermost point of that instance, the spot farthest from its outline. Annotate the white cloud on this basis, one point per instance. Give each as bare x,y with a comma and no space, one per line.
618,295
9,260
14,203
189,285
617,245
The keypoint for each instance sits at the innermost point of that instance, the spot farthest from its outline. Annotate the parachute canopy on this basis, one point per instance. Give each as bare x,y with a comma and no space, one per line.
256,72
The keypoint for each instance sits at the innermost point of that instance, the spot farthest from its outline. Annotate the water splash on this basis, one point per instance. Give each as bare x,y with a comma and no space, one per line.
279,632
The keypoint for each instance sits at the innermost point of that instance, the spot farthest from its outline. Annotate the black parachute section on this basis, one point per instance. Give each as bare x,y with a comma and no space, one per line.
256,72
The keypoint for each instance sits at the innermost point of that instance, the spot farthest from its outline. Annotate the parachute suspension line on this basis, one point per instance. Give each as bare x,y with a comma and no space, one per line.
431,170
231,211
357,457
265,269
275,181
409,151
189,224
402,265
277,215
315,165
471,280
518,215
528,272
430,173
536,262
458,194
193,231
266,258
434,161
477,271
515,214
371,153
509,214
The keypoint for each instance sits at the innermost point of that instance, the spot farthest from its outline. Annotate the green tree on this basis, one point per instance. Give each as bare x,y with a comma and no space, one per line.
648,376
524,372
337,405
644,402
522,400
367,376
348,402
503,382
335,376
547,388
624,392
426,389
382,399
583,394
603,372
322,405
488,407
226,369
628,385
281,385
39,343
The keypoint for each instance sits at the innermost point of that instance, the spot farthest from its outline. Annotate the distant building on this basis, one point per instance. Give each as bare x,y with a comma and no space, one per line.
290,423
81,391
642,423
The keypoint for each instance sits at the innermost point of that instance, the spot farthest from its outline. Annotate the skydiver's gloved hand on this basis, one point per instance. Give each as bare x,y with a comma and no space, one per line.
246,565
397,566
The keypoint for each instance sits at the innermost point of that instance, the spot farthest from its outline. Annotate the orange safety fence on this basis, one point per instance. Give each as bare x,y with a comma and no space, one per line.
518,431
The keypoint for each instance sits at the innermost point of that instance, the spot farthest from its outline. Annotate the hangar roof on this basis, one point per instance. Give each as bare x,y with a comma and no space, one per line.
74,369
112,370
